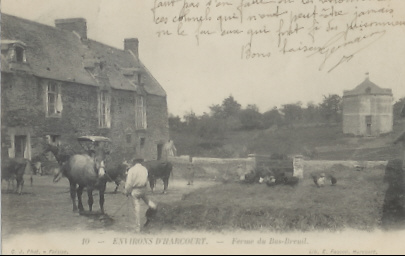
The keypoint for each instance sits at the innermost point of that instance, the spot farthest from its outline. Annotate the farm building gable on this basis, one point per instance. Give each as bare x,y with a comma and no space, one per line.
54,53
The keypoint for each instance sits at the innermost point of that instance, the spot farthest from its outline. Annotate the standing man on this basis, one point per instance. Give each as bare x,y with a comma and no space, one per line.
169,149
190,168
135,185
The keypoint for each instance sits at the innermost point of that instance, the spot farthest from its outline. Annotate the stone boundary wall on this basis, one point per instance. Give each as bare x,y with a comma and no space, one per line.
211,168
215,168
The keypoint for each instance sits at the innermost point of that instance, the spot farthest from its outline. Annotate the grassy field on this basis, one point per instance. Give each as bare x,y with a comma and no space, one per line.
363,200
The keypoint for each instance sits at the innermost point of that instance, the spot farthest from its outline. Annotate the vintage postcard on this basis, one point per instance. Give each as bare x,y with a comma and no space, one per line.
203,127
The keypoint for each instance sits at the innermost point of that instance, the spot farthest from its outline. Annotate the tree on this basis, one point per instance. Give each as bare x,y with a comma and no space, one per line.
175,123
210,128
331,108
399,109
217,111
292,112
191,120
311,113
250,117
272,117
230,107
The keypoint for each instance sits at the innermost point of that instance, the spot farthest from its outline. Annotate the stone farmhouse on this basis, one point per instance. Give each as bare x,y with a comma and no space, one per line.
57,82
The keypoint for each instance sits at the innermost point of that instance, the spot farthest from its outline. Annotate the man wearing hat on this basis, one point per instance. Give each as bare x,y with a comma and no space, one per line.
135,185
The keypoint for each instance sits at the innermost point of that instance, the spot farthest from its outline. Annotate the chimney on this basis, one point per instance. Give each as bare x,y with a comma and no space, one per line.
75,24
367,76
132,44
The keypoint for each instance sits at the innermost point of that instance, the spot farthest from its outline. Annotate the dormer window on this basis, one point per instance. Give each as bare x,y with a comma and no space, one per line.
15,50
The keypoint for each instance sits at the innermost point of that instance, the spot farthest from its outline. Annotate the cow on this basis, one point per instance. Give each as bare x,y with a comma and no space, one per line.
14,168
158,170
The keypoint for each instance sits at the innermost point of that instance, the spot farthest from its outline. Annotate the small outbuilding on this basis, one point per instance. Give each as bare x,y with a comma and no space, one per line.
367,110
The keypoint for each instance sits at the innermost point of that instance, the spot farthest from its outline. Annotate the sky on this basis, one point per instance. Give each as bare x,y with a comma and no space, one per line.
196,76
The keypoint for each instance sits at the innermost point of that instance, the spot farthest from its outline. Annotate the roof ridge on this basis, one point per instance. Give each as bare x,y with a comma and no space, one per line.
104,44
369,85
29,21
47,40
54,27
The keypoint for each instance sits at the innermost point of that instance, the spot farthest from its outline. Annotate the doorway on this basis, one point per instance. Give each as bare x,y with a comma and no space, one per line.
159,151
368,125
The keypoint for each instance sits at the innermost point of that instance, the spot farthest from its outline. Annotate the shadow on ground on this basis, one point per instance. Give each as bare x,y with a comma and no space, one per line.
394,202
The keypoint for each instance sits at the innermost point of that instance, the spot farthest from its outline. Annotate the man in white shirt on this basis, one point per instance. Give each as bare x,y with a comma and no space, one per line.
169,150
135,185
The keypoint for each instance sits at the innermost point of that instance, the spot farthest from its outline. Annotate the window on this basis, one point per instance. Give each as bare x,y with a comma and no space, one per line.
54,99
17,54
140,113
142,142
104,120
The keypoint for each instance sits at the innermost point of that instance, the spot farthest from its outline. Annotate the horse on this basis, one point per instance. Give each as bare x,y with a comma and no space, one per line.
84,171
61,157
14,168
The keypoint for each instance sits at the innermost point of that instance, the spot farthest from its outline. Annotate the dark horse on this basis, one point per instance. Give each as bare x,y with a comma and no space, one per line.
14,168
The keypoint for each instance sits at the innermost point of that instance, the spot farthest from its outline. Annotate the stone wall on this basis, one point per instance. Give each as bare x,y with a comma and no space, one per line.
23,109
211,168
215,168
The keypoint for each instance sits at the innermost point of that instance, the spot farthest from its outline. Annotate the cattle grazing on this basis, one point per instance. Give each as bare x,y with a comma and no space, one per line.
333,180
158,170
251,177
270,181
84,171
292,181
321,180
14,168
315,179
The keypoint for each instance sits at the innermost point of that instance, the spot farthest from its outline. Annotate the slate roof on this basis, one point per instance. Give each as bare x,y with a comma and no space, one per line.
62,55
367,87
